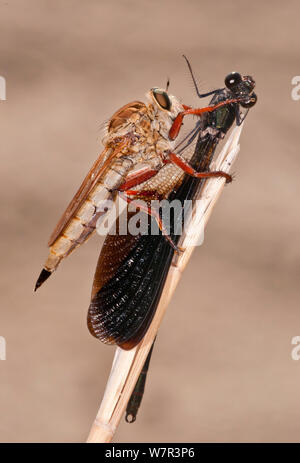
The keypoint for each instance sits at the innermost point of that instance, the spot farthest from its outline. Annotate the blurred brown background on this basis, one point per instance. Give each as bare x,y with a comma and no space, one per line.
222,367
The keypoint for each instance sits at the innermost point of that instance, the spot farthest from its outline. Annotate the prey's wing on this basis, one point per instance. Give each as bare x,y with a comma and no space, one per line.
128,281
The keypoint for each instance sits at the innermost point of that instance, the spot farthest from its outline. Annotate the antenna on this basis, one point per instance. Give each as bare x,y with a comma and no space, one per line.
200,95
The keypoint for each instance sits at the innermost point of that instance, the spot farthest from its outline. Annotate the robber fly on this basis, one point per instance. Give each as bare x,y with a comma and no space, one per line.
127,286
139,144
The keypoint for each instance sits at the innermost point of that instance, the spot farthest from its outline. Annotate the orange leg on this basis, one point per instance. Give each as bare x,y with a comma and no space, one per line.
150,211
144,193
137,179
174,130
178,161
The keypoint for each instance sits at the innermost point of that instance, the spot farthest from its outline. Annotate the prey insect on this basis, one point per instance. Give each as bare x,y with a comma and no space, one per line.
146,259
139,143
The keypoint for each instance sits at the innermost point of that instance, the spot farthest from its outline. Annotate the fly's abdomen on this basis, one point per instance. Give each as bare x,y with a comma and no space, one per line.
83,224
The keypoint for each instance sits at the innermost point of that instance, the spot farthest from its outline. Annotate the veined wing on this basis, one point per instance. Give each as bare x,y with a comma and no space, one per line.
79,220
98,168
127,285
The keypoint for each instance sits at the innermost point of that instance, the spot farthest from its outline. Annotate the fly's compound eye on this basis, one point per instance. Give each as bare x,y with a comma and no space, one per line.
233,79
251,102
162,99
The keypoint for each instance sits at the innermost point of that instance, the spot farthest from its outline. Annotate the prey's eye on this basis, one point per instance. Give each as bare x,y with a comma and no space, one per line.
162,99
233,79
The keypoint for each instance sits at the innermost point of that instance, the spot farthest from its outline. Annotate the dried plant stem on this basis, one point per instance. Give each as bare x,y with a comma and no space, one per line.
128,364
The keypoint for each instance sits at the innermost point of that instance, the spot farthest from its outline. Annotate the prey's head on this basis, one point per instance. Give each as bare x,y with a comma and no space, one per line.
241,87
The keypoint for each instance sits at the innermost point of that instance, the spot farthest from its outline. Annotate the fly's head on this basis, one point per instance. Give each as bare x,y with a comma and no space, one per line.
165,106
241,87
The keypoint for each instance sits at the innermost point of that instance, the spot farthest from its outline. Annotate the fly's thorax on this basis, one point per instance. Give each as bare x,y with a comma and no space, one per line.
148,125
126,120
139,129
112,138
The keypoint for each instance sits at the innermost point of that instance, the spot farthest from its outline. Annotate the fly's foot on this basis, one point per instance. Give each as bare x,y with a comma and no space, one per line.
228,177
233,177
220,173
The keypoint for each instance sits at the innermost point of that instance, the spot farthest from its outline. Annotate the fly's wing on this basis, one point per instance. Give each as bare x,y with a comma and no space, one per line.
98,168
78,223
85,188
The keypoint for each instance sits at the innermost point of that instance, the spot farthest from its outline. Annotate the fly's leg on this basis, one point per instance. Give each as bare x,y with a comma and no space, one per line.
149,210
175,128
178,161
137,179
125,191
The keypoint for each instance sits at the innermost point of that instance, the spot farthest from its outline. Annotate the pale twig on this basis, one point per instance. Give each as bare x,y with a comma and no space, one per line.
128,364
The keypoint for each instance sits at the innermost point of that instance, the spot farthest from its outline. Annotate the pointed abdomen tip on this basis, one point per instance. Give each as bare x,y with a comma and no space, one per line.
44,275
